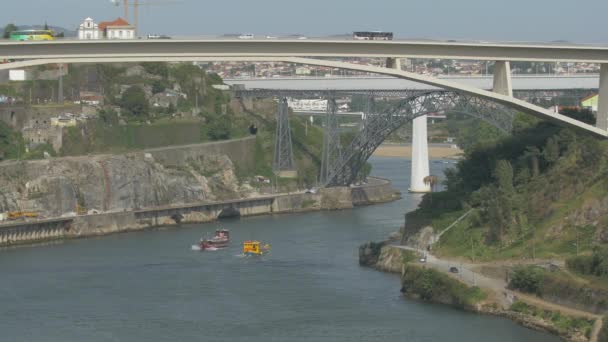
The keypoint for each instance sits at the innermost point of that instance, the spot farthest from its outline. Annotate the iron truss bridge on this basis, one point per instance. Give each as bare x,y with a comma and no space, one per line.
344,163
340,165
533,96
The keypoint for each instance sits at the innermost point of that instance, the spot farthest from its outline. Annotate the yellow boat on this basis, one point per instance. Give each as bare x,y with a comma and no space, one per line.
252,247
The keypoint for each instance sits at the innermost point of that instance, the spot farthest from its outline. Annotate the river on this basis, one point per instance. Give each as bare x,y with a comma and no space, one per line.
150,286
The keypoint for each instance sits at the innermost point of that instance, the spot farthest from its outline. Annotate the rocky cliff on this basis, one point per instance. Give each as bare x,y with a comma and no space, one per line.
103,183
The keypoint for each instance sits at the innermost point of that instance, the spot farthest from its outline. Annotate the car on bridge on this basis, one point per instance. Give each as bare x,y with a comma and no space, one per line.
246,36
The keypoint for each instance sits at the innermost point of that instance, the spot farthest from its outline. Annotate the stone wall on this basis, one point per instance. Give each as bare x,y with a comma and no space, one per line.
20,116
336,198
19,232
378,191
14,116
297,202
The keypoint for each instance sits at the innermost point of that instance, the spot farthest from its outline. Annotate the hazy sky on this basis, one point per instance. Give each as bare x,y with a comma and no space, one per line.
506,20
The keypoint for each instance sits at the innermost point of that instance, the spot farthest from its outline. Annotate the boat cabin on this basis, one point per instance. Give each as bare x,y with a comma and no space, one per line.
253,248
222,234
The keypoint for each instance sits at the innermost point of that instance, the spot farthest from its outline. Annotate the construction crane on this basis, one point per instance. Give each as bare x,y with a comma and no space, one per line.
136,4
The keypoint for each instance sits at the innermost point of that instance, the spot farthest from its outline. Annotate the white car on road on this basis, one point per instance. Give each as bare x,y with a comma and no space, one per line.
246,36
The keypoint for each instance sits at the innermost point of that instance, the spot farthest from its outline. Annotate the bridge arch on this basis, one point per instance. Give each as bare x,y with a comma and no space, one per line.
505,100
379,126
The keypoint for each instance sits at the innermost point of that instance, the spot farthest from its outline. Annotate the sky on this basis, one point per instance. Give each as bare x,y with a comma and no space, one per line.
583,21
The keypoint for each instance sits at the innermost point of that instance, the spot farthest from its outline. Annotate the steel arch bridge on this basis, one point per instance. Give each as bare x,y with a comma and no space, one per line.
344,164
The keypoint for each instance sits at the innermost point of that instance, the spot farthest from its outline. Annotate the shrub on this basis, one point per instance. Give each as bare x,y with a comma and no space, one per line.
134,101
432,285
595,264
527,279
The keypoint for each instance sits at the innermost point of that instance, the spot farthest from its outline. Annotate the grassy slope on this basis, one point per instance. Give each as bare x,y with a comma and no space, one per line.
467,238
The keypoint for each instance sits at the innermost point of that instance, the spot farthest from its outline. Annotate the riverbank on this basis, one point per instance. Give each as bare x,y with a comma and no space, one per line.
455,283
377,190
308,286
436,151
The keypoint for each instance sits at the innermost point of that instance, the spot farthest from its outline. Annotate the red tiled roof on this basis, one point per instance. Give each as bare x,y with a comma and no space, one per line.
118,22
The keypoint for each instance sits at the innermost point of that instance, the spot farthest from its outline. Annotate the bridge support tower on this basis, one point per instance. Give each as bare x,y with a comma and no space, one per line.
502,78
420,146
420,156
331,154
283,164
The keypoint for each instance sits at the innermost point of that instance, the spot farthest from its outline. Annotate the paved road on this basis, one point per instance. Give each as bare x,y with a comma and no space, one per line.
498,285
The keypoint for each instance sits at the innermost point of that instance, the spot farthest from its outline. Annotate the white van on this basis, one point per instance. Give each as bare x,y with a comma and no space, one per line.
246,36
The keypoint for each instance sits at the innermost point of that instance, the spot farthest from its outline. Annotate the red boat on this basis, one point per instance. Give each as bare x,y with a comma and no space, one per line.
219,240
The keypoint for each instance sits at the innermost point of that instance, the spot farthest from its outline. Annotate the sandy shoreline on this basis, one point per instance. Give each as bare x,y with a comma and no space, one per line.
405,151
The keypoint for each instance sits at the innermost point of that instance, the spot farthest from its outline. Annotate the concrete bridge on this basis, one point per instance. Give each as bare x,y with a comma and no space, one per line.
521,83
294,51
301,51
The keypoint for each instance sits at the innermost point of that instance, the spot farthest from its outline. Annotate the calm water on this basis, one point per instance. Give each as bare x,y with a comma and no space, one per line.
150,286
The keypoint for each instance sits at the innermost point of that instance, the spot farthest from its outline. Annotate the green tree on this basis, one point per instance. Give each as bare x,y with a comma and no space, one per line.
11,143
504,177
158,86
156,68
218,128
527,279
551,150
134,101
532,154
8,29
109,116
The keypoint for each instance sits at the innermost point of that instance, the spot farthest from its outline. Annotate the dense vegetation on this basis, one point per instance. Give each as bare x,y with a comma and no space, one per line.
522,188
527,279
595,264
563,323
11,143
431,285
561,287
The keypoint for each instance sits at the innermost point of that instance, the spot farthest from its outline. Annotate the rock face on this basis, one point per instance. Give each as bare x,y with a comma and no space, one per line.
370,252
104,183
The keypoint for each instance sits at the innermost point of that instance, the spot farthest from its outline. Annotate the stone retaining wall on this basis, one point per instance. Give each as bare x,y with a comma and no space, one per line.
114,222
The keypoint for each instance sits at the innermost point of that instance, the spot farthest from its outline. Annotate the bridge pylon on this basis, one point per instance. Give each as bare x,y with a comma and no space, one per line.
332,149
283,164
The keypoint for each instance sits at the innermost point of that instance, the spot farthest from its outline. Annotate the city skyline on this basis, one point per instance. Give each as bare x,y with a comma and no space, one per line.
517,20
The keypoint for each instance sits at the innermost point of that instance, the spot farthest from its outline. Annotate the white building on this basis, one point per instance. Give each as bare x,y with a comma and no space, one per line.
117,29
307,105
89,30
